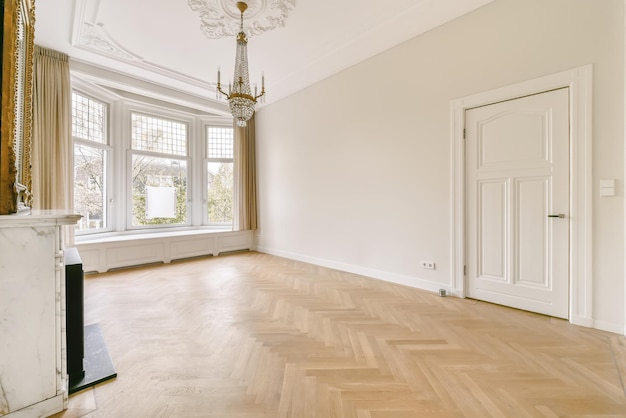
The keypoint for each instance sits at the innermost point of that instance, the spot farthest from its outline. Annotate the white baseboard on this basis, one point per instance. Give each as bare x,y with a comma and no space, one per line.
363,271
419,284
609,326
596,324
582,321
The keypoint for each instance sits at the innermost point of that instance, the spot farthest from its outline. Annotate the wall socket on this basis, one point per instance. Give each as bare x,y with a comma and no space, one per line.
428,265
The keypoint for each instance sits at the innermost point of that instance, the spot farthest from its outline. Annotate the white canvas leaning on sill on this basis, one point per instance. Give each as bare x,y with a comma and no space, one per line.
160,202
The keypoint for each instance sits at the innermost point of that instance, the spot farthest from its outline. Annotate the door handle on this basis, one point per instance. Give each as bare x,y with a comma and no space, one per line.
560,215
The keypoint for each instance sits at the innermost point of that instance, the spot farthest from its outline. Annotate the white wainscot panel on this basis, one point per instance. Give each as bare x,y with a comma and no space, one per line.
139,253
234,242
191,247
103,254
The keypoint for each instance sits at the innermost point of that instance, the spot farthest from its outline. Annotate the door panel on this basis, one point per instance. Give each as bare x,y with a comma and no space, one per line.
493,230
512,138
517,162
531,228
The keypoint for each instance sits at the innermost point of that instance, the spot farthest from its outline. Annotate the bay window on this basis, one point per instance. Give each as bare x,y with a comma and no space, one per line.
142,167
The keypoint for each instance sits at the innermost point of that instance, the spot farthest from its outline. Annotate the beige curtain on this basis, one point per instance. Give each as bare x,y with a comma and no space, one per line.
52,156
245,178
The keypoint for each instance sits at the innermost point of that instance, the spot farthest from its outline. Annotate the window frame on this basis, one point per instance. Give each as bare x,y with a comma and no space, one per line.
205,210
107,166
169,116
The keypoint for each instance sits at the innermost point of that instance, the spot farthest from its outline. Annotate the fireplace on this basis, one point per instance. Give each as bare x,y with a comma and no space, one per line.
74,316
88,360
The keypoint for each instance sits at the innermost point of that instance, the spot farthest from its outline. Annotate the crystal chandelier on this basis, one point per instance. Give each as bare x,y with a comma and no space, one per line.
240,98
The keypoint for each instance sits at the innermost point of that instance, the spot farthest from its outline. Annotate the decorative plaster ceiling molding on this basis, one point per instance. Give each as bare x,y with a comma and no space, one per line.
221,18
89,33
93,37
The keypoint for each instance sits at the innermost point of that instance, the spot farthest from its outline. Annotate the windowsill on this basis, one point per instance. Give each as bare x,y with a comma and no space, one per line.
146,234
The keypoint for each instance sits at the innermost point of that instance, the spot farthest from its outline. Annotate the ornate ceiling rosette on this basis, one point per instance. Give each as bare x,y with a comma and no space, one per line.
221,18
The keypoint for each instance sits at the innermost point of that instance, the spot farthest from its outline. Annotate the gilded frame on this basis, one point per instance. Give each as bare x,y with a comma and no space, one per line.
18,34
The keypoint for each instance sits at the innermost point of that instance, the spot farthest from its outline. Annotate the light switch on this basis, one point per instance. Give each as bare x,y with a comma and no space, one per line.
607,187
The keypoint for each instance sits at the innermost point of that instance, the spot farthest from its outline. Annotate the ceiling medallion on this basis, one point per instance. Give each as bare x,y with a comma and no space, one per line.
220,18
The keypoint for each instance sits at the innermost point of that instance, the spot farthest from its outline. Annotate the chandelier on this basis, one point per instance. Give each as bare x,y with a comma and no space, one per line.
239,96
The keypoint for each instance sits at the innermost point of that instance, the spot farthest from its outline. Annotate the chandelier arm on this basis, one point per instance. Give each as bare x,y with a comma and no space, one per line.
219,88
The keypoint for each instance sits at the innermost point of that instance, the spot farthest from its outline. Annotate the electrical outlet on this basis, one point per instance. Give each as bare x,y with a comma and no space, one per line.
428,265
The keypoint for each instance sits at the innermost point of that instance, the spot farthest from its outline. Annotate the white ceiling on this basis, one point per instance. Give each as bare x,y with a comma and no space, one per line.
161,41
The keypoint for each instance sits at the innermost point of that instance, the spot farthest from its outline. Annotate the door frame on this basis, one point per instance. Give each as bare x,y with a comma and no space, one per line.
579,81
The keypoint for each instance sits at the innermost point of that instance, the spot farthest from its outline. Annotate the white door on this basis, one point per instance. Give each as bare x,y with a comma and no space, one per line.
517,162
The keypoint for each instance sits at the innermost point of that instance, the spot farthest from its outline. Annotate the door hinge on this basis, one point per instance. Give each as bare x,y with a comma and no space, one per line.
464,133
464,270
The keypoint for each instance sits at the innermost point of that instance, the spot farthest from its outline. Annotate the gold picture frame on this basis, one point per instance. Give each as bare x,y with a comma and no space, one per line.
18,35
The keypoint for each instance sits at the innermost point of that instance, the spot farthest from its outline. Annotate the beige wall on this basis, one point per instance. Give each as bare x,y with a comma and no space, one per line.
354,172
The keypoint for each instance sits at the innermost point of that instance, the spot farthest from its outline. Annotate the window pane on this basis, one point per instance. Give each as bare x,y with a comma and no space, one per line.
220,194
88,118
90,186
158,135
219,142
159,191
220,174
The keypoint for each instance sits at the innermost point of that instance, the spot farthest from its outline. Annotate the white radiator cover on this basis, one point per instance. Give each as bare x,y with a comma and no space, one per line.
104,254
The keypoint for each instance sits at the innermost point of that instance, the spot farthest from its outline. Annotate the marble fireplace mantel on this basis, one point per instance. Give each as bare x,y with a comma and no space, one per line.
33,378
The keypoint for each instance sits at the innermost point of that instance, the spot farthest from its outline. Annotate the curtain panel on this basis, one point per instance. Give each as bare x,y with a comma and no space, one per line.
52,154
245,177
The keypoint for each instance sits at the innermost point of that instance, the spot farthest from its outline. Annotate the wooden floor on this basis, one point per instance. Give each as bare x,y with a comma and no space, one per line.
252,335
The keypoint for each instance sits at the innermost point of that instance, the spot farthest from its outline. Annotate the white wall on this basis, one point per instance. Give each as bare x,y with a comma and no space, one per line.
354,172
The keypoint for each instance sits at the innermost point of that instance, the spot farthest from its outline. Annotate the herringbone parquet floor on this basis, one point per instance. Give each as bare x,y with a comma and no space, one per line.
256,336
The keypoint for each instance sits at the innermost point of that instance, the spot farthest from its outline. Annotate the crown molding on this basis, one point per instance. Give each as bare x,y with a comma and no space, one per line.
107,79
